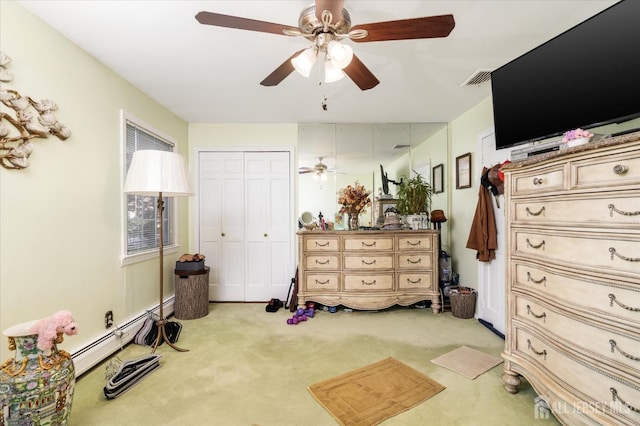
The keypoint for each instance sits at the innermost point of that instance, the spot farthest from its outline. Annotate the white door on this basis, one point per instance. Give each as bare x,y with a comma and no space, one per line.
491,275
249,252
268,250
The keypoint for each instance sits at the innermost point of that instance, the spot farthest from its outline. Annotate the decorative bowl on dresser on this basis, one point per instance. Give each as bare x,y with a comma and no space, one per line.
368,269
573,280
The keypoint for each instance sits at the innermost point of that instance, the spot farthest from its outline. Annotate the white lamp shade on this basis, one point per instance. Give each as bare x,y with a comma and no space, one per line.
152,172
304,61
341,54
331,73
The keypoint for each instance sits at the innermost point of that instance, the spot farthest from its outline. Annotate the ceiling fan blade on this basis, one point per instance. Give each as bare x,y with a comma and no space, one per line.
227,21
302,172
360,74
281,72
407,29
333,6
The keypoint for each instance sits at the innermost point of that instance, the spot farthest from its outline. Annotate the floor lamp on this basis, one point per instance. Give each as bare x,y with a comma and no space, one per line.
159,173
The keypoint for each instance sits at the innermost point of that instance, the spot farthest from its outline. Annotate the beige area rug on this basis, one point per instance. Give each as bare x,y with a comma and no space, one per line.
374,393
467,362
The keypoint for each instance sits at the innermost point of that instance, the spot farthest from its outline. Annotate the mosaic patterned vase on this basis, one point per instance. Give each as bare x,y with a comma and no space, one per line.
36,387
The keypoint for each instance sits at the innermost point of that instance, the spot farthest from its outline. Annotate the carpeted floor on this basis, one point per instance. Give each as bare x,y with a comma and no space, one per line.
248,367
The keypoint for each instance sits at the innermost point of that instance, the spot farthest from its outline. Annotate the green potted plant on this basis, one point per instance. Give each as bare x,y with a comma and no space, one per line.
414,196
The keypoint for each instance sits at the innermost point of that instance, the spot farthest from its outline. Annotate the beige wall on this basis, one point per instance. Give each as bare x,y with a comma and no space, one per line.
464,132
60,219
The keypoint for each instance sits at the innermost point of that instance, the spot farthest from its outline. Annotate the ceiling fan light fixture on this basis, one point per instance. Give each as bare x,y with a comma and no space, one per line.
304,61
331,73
341,54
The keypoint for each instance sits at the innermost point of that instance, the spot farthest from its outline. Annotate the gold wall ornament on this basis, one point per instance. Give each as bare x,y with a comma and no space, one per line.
32,120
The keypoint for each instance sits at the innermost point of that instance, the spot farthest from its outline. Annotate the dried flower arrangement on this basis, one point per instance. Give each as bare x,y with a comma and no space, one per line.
354,199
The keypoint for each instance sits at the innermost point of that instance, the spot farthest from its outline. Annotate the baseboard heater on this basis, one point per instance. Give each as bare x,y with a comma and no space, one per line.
108,343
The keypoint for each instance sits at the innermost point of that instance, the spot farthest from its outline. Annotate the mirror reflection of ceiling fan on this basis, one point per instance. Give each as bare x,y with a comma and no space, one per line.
325,24
320,170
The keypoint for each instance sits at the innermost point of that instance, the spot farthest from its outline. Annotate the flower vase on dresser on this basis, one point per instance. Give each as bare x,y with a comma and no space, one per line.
36,387
354,200
354,221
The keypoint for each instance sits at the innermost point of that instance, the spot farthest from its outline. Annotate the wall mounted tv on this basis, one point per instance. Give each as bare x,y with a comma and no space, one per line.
587,76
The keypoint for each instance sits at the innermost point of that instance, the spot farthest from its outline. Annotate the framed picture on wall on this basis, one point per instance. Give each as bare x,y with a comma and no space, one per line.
463,171
437,178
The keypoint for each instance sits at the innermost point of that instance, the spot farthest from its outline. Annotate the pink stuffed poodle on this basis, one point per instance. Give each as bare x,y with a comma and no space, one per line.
48,328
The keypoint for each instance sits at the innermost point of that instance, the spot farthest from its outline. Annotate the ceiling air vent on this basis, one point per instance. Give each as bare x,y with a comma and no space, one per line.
478,77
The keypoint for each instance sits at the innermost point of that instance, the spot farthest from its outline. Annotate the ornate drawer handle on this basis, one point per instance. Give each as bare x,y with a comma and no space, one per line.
614,395
542,315
535,246
414,261
537,181
322,282
364,262
614,345
326,243
370,283
373,244
612,209
409,280
530,347
612,298
529,212
619,169
613,251
409,243
542,280
326,262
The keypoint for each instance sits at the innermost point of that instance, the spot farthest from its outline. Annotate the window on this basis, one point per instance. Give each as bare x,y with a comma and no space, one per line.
141,211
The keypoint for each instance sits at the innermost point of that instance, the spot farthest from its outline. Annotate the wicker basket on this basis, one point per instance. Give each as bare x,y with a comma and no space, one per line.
463,305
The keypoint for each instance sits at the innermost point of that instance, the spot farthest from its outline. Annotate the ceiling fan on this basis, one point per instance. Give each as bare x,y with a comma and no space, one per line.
325,23
319,169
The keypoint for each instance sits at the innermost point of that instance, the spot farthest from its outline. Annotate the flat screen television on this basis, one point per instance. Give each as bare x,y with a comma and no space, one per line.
586,77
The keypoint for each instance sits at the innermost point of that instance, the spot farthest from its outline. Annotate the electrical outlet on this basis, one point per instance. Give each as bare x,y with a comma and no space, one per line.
108,319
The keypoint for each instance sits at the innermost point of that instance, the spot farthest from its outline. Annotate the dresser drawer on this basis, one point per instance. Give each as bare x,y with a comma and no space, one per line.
599,390
618,301
608,172
320,281
538,181
421,280
368,244
322,262
612,347
415,261
611,212
615,253
422,243
368,282
368,262
321,243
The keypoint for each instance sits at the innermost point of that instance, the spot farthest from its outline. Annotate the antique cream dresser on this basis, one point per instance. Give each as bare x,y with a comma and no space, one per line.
368,269
573,281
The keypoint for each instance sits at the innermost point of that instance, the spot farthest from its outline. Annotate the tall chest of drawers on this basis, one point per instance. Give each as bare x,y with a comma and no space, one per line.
368,269
573,281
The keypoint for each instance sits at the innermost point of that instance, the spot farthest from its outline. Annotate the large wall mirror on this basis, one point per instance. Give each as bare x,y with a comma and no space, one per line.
332,156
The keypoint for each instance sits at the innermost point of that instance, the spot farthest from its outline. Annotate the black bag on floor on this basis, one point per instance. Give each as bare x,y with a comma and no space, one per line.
148,334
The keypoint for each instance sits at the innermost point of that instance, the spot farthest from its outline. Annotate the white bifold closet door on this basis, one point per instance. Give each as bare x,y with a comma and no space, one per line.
245,226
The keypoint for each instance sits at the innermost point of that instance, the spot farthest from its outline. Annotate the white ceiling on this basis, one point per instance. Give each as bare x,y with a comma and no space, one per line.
210,74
